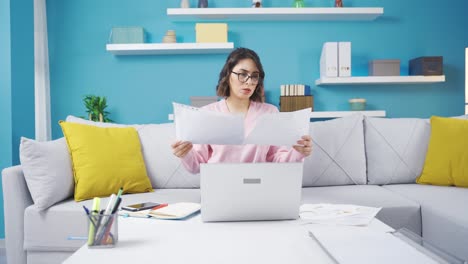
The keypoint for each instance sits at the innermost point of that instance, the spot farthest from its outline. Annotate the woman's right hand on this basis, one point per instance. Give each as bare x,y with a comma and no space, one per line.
181,148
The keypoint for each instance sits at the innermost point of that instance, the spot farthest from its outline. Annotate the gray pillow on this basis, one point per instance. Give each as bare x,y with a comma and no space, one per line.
338,156
47,170
395,149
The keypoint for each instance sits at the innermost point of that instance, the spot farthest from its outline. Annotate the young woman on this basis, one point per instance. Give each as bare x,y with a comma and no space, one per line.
241,85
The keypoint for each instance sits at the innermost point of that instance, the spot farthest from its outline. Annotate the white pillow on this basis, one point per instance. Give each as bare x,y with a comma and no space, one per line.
47,170
395,149
338,156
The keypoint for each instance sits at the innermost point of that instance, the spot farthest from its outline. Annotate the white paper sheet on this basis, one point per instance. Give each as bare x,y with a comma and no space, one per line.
337,214
280,129
201,126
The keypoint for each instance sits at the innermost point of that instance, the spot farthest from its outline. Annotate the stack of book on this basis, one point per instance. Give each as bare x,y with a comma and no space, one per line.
295,97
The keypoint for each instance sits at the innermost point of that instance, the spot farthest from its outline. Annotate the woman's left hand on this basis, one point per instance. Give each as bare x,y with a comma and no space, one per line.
304,145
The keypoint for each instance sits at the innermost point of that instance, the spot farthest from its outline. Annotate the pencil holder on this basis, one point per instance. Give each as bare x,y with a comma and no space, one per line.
102,230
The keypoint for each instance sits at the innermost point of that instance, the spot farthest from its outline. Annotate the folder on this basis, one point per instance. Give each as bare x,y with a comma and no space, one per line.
329,60
344,59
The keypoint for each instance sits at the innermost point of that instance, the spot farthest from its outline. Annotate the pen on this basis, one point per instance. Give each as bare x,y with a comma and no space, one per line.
86,210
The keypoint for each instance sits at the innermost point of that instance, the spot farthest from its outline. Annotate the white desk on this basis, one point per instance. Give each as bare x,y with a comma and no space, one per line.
192,241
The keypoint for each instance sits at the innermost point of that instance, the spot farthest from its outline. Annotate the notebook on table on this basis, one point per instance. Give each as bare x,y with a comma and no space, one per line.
250,191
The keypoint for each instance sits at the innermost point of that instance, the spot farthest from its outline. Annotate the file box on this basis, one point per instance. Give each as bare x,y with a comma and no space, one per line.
122,35
102,230
211,32
426,66
384,68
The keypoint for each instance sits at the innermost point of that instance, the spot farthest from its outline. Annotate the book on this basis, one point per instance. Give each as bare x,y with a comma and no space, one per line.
171,211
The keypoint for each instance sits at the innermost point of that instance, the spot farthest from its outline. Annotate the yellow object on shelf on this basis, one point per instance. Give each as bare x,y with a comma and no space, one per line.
211,32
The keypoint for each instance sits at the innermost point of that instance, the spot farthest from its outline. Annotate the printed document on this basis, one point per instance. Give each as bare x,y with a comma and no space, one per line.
201,126
337,214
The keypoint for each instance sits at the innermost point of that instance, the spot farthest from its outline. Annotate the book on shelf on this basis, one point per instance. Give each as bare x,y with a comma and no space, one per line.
171,211
294,89
297,102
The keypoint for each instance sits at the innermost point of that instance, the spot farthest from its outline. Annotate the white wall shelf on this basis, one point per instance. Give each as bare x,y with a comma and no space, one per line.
379,80
332,114
270,13
169,48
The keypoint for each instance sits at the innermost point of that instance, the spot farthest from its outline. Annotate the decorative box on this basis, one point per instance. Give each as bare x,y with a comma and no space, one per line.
426,66
384,68
199,101
211,32
121,35
296,102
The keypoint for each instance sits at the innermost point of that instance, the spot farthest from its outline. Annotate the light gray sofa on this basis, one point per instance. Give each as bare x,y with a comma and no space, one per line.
355,160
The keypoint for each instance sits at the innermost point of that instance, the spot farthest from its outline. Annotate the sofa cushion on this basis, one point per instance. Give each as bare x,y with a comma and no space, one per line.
444,214
47,171
50,229
338,156
105,159
447,155
164,169
397,211
395,149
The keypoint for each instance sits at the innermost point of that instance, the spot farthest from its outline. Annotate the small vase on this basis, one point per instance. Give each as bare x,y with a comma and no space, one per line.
298,3
202,3
256,3
184,4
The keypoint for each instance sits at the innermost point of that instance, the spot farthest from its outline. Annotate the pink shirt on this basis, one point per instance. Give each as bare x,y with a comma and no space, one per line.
240,153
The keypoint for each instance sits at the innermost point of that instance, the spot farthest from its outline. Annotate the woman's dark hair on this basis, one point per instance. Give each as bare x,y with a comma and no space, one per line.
222,89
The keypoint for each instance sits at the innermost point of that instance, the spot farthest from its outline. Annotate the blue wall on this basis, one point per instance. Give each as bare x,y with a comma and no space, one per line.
140,89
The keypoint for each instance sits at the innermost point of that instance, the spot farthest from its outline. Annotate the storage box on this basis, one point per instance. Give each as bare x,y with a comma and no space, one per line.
357,104
122,35
426,66
211,32
384,68
199,101
294,103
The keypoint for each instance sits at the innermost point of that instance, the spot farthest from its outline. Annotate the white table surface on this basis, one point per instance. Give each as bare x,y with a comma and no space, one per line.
192,241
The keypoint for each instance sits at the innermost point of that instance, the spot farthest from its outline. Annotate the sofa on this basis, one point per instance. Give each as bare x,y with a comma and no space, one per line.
356,160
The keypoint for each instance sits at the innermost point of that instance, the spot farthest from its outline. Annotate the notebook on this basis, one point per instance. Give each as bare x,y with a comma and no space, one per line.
250,191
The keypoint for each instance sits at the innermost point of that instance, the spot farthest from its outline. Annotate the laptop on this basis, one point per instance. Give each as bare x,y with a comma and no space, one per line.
250,191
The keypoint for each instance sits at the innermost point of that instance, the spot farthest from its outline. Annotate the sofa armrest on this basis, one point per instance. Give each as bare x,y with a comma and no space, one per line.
16,198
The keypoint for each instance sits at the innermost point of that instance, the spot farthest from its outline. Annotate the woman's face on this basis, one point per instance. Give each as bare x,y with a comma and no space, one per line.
244,79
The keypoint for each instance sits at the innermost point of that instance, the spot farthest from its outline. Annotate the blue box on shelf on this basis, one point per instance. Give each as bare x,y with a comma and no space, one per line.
121,35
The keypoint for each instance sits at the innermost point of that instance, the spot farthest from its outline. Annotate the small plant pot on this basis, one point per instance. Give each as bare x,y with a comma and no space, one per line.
357,104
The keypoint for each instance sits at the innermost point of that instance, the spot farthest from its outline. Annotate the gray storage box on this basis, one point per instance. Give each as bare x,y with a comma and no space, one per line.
384,68
199,101
123,35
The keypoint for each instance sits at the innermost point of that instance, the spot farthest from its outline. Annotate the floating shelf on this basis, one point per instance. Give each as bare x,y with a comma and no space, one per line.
332,114
270,13
379,80
169,48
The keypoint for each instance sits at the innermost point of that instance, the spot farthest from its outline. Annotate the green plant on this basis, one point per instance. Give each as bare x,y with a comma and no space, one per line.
95,108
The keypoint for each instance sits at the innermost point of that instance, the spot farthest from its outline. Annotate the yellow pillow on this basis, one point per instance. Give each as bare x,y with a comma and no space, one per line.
447,155
105,159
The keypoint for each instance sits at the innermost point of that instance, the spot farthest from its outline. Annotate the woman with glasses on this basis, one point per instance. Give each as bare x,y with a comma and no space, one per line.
241,85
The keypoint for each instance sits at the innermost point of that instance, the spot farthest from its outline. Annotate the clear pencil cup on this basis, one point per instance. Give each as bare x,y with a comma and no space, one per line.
102,230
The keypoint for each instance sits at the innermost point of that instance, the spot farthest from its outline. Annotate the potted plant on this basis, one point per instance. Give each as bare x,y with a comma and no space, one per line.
95,107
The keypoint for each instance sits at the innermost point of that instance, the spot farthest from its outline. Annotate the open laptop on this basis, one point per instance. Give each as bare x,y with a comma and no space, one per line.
250,191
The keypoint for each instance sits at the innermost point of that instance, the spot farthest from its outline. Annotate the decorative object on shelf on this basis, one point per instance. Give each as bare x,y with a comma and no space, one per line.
170,37
211,32
123,35
357,104
384,68
95,107
202,3
298,3
256,3
338,3
185,3
295,97
426,66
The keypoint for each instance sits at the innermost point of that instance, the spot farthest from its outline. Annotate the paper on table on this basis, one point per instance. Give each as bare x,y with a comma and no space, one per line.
337,214
201,126
288,127
350,245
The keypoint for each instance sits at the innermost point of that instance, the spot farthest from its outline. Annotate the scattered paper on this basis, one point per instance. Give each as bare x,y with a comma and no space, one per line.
337,214
201,126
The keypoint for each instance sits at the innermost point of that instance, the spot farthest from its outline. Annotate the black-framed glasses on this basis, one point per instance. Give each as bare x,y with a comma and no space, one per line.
244,77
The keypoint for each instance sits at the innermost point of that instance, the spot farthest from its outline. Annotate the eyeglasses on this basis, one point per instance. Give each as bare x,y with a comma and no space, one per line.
244,77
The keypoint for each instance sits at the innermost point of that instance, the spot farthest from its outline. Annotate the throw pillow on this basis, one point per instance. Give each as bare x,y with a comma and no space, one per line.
447,155
395,149
105,159
47,171
338,156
